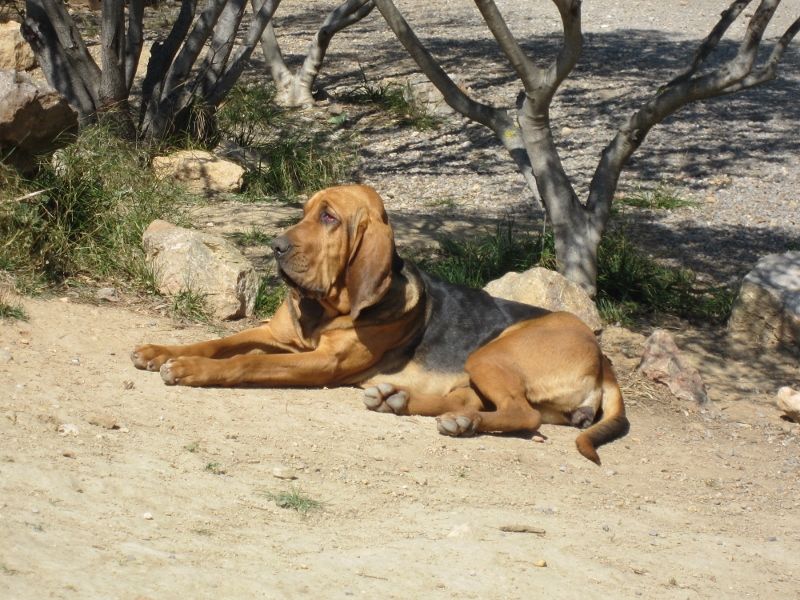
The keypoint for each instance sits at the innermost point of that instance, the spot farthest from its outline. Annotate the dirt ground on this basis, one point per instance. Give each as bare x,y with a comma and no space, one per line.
178,499
113,485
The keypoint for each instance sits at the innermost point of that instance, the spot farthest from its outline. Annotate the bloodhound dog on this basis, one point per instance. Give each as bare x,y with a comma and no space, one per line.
357,313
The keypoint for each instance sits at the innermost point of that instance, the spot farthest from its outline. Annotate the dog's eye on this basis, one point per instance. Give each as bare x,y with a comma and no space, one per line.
327,218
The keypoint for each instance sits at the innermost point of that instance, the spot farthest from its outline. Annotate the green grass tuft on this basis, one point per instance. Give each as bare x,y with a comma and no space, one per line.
83,214
11,309
253,237
269,297
630,283
299,163
393,99
189,305
296,500
663,197
248,112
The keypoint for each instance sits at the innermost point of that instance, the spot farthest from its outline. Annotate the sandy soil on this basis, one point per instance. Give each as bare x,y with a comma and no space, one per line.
115,486
177,500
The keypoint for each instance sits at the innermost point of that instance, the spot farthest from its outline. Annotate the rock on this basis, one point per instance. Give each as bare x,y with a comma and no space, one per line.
109,294
15,52
663,362
547,289
67,429
184,259
420,92
766,313
540,563
282,472
32,117
788,400
200,171
147,516
103,420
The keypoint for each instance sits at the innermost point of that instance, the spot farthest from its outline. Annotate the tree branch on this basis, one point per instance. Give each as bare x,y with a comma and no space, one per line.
134,39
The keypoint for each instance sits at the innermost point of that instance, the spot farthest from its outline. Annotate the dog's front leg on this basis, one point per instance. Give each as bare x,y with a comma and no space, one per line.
152,356
333,361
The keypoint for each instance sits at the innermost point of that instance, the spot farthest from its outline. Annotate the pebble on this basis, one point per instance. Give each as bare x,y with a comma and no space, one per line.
109,294
67,429
148,516
540,563
68,454
282,472
103,420
75,360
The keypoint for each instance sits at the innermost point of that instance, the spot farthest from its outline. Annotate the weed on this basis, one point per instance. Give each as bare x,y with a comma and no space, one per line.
269,297
248,113
11,309
394,99
192,446
629,283
215,468
84,213
299,163
295,500
254,237
189,305
663,197
476,262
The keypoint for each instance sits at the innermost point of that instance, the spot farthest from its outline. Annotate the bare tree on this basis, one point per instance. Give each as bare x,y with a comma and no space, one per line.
526,130
176,75
297,89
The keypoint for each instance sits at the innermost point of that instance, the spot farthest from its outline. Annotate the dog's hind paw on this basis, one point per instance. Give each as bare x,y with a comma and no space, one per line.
455,424
386,398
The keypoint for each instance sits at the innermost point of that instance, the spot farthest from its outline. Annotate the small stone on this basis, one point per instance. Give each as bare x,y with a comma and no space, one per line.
147,516
128,385
282,472
67,429
109,294
540,563
460,531
103,420
68,454
75,360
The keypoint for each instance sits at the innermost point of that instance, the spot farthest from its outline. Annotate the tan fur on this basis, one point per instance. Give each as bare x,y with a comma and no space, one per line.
349,319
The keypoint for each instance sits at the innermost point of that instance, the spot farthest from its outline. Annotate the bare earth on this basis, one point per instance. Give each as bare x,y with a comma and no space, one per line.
176,501
115,486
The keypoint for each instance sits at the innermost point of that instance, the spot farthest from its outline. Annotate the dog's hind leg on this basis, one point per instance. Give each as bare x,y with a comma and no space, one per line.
502,386
402,400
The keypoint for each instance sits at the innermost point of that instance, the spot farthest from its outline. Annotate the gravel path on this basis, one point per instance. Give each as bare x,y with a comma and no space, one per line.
735,157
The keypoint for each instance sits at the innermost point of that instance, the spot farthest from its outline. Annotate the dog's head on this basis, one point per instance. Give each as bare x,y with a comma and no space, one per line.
342,250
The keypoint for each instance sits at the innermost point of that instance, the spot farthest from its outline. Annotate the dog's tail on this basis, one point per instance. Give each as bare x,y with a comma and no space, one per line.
613,423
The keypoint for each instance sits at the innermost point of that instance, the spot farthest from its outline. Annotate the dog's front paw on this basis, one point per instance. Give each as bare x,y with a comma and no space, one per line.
458,424
185,370
150,357
386,398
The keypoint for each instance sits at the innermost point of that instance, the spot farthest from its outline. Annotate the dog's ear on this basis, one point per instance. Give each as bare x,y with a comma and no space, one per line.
369,270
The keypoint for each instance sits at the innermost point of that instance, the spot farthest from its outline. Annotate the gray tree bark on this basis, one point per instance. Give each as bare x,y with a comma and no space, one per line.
578,226
298,89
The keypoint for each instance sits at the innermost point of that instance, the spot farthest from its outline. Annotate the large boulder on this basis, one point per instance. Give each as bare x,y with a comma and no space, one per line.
200,171
15,52
185,259
766,313
663,362
32,117
547,289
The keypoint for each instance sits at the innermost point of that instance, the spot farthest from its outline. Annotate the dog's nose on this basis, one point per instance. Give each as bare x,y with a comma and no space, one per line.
281,245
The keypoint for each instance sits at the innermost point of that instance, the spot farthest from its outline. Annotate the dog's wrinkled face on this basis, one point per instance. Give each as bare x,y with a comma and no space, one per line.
341,252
